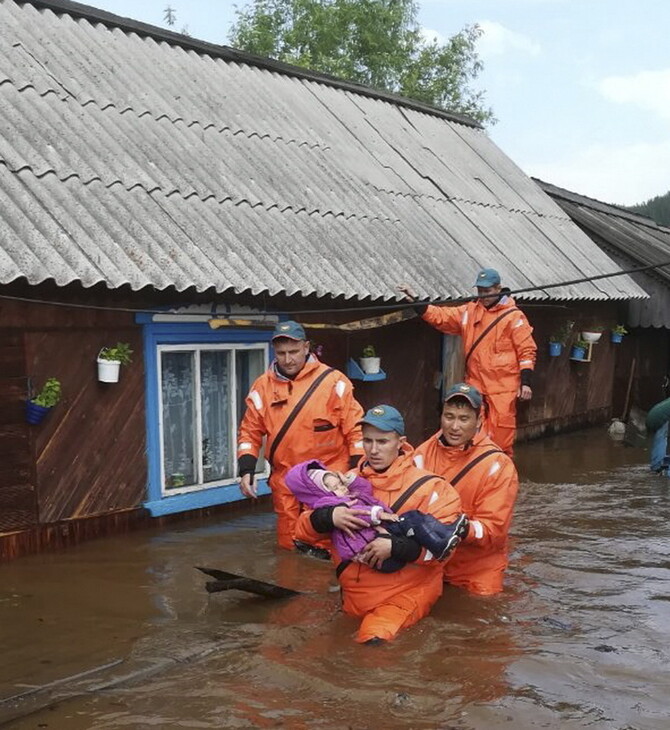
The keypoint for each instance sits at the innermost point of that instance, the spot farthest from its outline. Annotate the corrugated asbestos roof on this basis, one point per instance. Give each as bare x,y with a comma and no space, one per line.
632,240
129,157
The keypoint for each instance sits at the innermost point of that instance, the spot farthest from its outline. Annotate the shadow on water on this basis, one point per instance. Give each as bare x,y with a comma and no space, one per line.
578,638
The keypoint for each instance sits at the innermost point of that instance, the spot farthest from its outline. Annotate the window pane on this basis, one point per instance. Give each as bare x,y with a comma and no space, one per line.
249,365
177,370
217,432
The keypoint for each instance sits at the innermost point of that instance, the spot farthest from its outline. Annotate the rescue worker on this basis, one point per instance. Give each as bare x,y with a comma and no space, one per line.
499,349
306,410
387,602
487,482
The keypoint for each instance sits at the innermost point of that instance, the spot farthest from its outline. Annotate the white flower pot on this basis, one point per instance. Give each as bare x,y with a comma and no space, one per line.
108,370
370,365
591,336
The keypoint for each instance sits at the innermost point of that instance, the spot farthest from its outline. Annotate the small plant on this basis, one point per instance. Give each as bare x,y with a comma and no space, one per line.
49,395
121,352
369,351
619,330
562,334
581,343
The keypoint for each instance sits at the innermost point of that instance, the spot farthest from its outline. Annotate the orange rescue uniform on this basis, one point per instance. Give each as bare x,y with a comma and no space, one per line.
389,602
495,364
325,429
488,493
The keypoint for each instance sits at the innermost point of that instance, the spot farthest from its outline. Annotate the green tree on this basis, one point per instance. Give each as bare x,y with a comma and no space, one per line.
657,208
377,43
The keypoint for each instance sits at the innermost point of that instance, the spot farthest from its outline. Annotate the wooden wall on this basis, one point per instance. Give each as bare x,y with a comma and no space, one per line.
88,456
18,504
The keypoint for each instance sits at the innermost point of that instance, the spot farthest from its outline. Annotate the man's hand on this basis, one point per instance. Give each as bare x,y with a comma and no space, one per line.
524,393
409,293
347,519
375,552
247,486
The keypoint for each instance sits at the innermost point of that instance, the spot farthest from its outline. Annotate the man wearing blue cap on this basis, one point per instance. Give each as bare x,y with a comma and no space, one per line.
499,348
305,410
388,602
487,482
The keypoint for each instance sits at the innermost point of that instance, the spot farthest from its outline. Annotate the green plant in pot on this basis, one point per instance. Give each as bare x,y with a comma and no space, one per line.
110,360
617,333
38,406
579,349
559,338
370,363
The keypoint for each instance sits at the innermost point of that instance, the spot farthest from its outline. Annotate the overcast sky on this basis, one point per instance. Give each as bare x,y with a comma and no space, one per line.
580,88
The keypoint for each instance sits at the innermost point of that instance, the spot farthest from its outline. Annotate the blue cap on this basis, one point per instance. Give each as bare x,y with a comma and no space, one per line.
463,390
290,329
385,418
487,278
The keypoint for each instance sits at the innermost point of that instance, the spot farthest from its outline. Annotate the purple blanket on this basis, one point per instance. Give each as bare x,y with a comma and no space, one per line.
307,491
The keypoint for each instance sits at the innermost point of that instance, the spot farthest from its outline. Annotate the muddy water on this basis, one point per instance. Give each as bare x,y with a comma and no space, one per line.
579,638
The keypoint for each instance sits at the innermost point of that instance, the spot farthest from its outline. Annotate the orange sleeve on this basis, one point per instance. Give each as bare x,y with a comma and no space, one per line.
492,512
304,530
252,428
446,319
523,342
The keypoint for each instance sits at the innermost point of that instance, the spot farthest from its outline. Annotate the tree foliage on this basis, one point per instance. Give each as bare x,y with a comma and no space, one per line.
377,43
658,209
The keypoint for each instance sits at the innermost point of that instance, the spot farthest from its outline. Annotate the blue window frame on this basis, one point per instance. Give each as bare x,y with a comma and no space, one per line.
196,380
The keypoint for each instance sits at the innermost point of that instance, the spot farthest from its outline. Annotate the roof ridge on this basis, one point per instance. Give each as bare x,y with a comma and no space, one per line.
95,15
595,204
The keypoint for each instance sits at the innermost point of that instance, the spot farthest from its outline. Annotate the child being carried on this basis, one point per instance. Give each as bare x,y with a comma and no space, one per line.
313,485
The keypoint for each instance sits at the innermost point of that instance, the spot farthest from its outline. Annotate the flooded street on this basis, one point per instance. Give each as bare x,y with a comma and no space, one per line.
579,638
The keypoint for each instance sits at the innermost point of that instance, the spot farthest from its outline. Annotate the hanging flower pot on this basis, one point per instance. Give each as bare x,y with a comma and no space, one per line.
110,360
370,363
555,349
38,407
578,352
35,413
591,336
616,335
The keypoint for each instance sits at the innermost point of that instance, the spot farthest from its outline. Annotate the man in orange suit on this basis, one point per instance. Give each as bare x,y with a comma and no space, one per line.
487,483
387,602
499,349
305,410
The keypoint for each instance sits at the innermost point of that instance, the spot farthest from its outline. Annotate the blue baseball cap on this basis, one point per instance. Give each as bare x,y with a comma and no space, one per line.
463,390
385,418
290,329
487,278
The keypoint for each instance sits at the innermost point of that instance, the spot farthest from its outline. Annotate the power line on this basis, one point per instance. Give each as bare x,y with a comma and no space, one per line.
367,308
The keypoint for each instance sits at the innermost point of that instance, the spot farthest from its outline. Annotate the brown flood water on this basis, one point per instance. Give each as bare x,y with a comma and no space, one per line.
579,638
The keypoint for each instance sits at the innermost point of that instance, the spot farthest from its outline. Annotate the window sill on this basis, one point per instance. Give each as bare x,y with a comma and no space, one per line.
200,499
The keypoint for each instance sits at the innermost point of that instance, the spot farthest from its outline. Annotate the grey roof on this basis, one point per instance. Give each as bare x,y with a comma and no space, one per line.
133,156
630,239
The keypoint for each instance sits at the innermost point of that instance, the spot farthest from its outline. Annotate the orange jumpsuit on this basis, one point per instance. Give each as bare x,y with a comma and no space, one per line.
496,363
488,493
325,429
389,602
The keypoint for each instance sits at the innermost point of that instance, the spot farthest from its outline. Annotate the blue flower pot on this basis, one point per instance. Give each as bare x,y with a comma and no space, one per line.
34,413
577,353
616,337
555,349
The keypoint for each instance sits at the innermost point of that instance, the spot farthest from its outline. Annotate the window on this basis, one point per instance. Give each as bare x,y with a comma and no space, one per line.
196,382
202,390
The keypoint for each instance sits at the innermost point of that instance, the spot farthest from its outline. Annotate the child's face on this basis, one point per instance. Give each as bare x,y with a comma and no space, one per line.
336,484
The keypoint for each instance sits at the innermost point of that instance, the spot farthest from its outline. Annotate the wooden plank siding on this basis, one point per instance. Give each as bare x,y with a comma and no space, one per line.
90,451
18,504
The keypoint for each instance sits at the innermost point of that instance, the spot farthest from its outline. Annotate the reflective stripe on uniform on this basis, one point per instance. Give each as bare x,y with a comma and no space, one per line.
495,467
256,399
433,498
340,387
418,460
244,446
477,527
